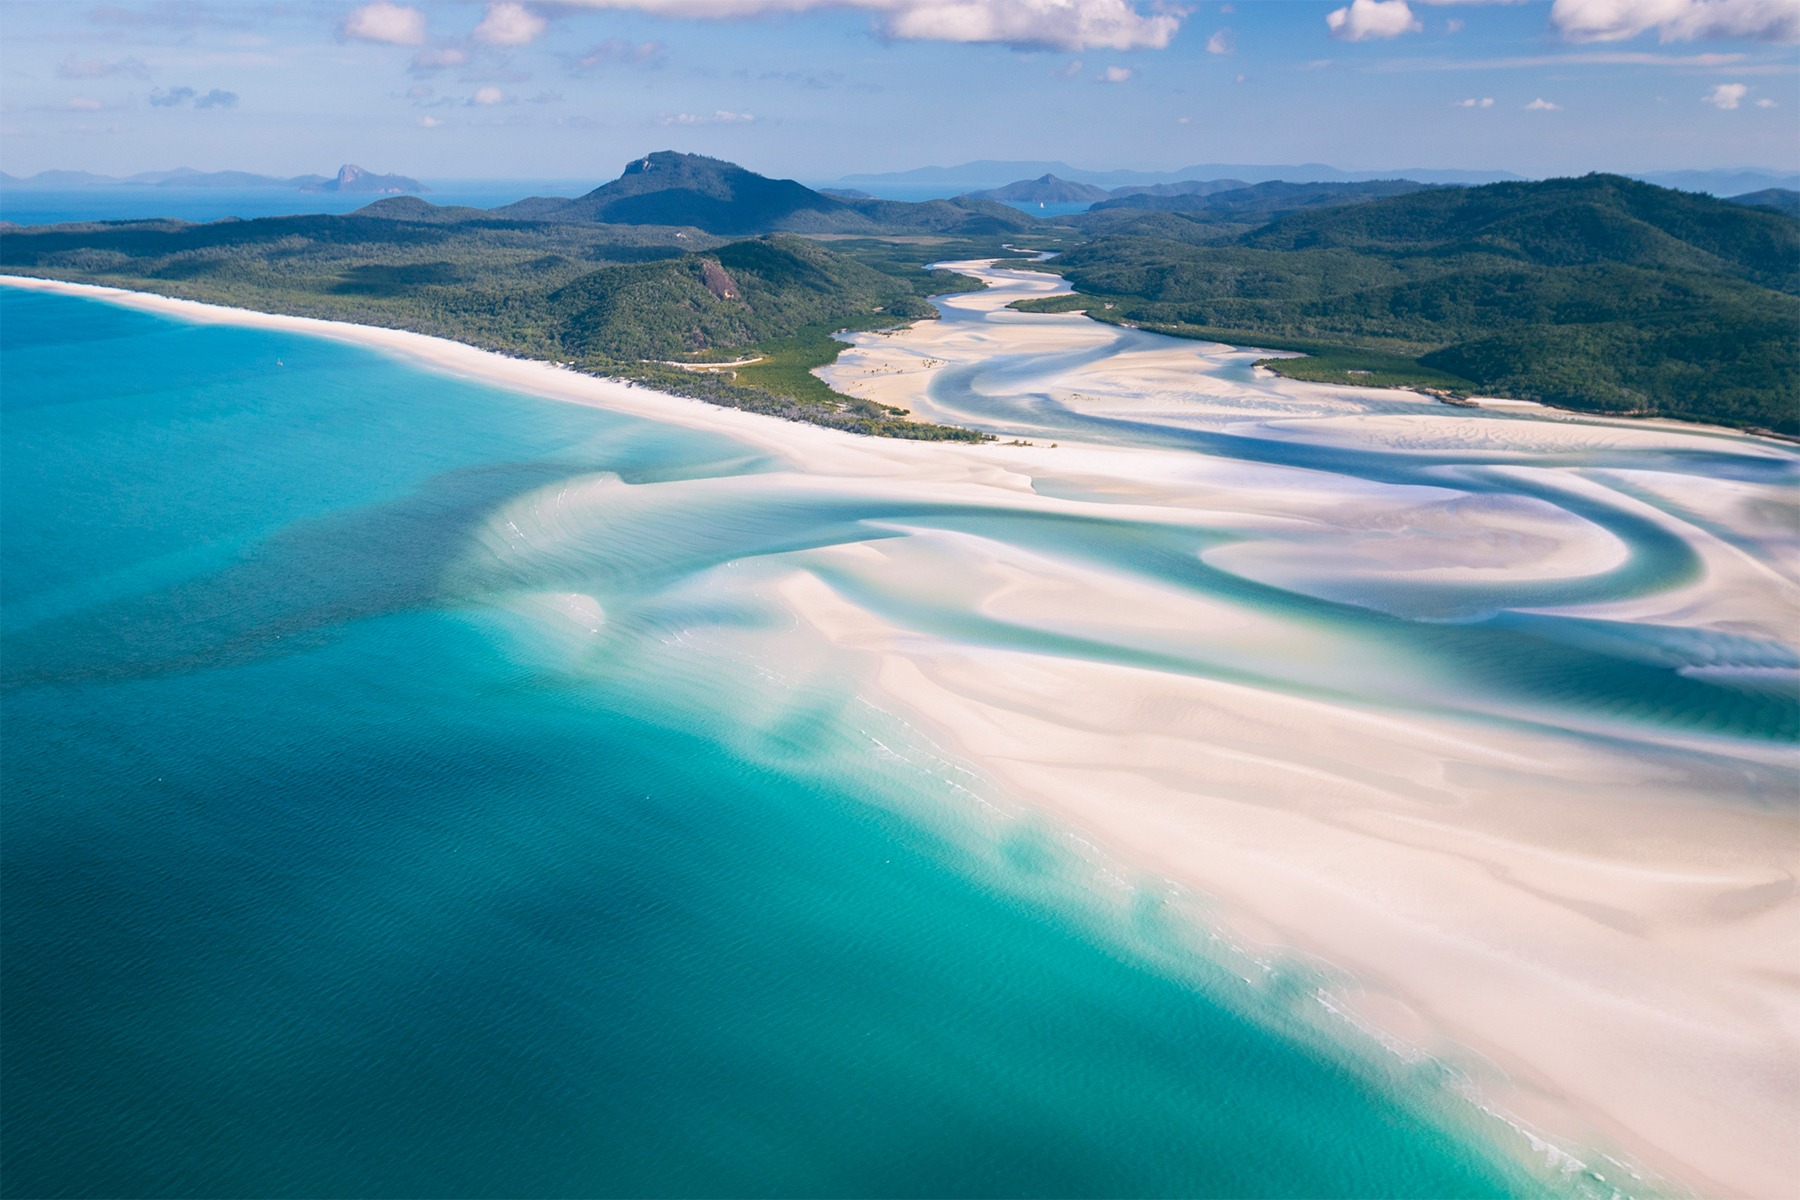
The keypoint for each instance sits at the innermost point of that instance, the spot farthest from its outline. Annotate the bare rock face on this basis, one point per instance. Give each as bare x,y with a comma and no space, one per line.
717,281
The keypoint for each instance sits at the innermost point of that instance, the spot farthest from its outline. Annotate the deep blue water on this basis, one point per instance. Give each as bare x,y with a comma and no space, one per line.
327,872
50,206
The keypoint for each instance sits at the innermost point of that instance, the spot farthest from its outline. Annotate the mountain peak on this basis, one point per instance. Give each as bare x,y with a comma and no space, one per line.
672,189
666,187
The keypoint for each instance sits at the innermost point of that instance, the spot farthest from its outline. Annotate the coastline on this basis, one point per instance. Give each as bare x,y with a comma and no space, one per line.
1626,971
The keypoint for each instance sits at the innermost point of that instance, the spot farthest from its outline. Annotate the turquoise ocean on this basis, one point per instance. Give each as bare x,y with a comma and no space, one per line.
331,870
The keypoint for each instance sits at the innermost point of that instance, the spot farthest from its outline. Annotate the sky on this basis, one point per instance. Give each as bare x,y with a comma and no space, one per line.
819,89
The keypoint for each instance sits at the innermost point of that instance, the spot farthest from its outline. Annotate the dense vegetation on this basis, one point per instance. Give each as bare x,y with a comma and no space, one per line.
1598,293
1257,202
1785,200
623,301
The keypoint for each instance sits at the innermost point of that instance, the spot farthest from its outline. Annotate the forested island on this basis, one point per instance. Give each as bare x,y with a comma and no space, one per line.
1600,294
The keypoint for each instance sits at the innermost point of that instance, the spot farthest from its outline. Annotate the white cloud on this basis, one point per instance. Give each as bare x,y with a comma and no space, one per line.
1222,42
1184,120
509,25
395,24
1541,105
1677,20
1043,24
428,122
1114,75
719,116
1454,25
1471,102
1726,96
1068,70
487,97
85,104
1366,19
1765,102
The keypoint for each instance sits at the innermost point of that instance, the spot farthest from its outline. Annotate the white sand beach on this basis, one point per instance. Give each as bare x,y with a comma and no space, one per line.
1597,919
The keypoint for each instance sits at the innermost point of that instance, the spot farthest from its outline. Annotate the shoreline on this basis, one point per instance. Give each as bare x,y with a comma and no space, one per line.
1509,930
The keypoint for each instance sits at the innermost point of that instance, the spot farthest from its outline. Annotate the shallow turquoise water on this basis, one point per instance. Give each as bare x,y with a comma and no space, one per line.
328,873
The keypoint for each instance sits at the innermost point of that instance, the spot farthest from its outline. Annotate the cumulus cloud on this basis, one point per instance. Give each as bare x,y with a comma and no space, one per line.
509,25
718,116
1114,75
94,68
1039,24
487,97
1726,96
1222,42
1365,19
395,24
428,122
1765,102
1541,105
1677,20
1472,102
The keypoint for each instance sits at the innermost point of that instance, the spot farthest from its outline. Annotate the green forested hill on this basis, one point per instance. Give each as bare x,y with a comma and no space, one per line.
1261,201
742,294
1559,222
1599,293
1785,200
615,300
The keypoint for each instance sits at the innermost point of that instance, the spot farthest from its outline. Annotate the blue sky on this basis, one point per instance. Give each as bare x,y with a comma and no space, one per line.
816,89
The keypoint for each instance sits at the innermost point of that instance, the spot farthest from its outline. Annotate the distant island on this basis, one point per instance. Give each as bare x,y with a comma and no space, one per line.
1601,294
1045,189
990,173
352,178
349,178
